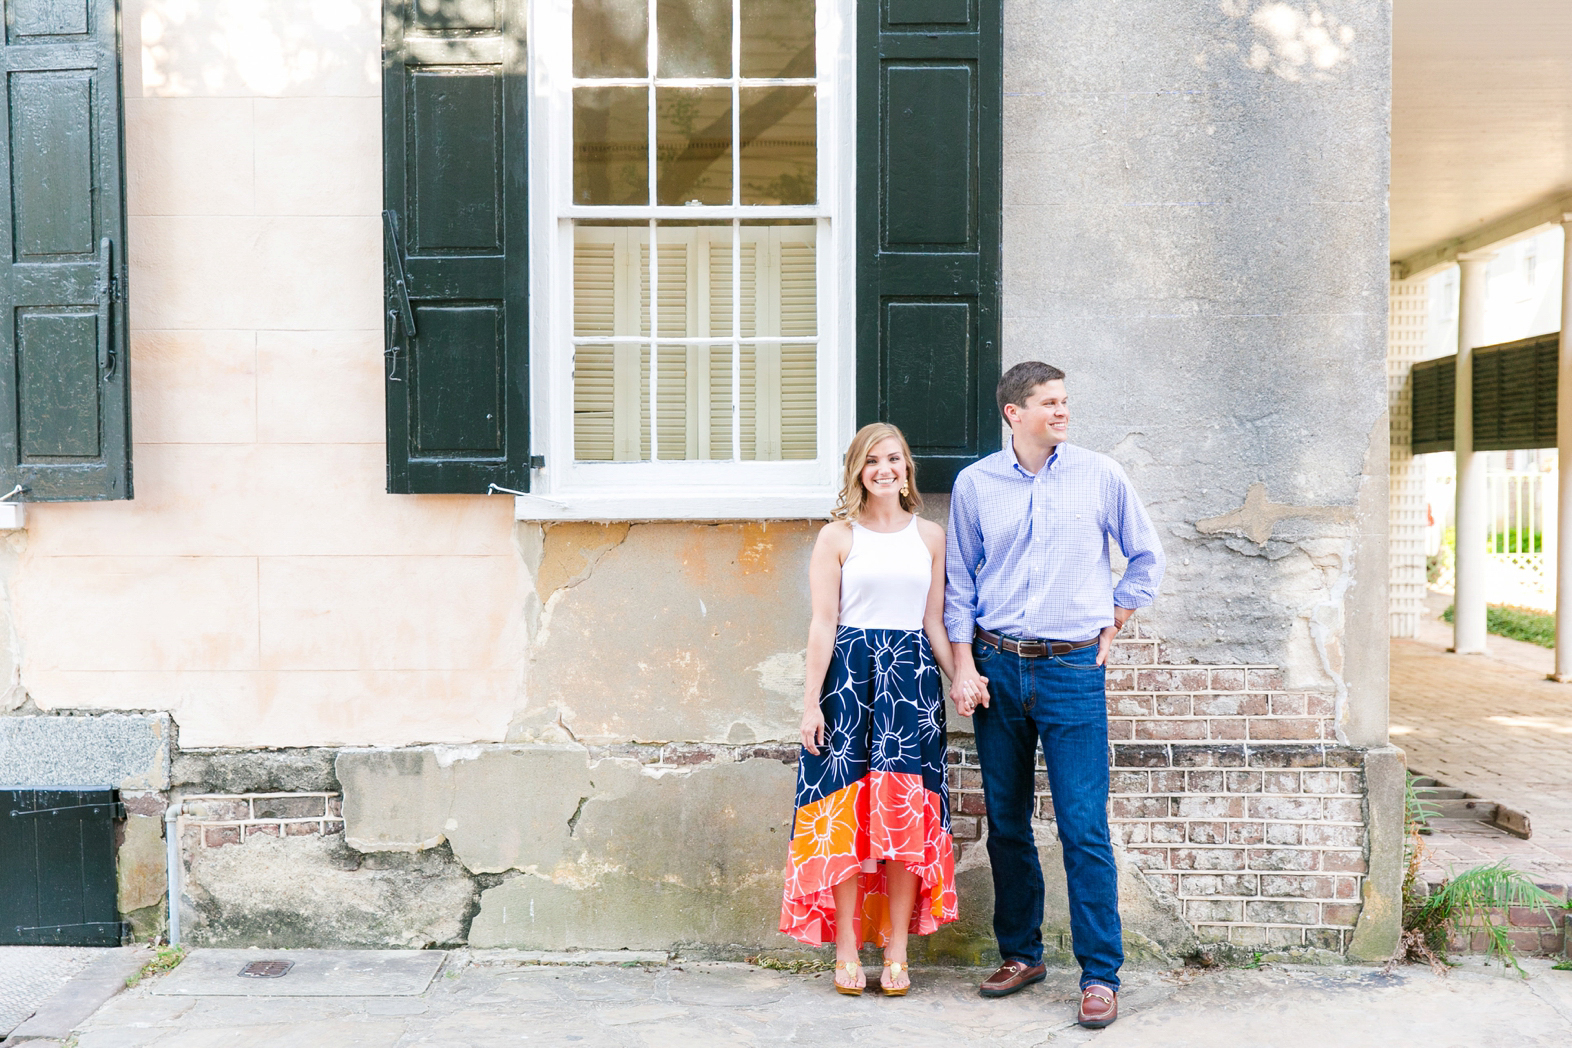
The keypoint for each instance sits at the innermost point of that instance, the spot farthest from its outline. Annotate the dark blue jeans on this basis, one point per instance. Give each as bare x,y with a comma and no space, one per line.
1060,701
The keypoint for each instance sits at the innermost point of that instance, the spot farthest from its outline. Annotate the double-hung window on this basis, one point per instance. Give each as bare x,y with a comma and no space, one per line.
688,186
658,258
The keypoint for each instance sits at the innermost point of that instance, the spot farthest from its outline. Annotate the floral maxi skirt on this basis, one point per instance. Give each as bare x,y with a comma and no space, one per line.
876,791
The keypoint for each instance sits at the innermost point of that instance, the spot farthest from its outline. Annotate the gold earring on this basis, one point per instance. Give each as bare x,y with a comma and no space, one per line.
905,490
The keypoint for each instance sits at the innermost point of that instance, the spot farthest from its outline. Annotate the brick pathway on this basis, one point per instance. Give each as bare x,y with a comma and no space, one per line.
1495,727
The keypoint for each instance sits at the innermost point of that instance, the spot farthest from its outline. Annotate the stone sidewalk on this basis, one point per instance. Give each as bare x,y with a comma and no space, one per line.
476,1003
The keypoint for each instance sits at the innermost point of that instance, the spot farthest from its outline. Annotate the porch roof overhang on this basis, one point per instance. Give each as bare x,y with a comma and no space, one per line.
1481,126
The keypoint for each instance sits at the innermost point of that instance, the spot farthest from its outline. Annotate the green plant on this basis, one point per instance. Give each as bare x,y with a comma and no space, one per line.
164,958
1561,966
1526,624
1474,900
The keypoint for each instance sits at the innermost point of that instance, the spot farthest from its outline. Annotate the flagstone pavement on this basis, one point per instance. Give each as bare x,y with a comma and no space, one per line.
476,1004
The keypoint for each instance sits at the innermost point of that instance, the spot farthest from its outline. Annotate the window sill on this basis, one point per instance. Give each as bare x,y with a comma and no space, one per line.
653,505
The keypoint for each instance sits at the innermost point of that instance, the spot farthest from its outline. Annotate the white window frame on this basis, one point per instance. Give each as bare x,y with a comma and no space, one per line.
565,489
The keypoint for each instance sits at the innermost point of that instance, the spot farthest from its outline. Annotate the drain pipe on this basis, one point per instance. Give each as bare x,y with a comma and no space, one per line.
172,862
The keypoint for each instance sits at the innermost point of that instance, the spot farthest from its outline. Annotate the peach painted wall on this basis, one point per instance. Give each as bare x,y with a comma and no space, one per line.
262,586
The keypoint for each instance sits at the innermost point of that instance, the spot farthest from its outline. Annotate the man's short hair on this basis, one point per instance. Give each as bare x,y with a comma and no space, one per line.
1017,384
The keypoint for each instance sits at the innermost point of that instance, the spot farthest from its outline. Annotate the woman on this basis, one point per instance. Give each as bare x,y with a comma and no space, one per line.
871,856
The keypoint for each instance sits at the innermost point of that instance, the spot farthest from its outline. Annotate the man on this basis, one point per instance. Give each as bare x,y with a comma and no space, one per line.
1032,610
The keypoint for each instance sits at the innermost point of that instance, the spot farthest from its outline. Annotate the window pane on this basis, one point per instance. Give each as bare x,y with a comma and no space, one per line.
721,318
719,418
777,38
693,145
672,293
779,145
592,403
610,155
610,37
695,37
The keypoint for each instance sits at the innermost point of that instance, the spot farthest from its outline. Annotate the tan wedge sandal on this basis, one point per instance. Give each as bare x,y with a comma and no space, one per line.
891,969
852,968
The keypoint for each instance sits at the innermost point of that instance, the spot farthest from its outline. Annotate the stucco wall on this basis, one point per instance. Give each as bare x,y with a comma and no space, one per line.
1194,229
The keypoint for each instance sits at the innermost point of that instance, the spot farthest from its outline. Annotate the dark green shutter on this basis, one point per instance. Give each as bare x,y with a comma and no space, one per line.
64,423
455,237
1515,394
1432,389
929,156
1515,387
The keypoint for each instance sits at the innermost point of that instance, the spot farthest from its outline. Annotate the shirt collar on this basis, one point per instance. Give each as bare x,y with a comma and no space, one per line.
1020,470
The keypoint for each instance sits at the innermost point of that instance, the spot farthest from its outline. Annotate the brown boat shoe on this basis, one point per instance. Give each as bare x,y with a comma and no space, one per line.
1099,1007
1012,976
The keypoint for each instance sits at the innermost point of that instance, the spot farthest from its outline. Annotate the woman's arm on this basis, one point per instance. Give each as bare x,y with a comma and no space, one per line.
933,614
824,591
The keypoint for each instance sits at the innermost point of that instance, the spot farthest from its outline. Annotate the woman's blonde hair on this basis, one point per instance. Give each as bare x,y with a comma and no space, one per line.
853,495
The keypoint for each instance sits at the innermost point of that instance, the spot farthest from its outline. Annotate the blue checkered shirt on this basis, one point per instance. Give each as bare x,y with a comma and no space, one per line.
1027,556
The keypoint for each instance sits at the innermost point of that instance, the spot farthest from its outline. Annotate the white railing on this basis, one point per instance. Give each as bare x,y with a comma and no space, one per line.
1520,522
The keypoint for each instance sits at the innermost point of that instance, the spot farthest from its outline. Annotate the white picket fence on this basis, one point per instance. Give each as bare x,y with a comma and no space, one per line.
1521,524
1520,527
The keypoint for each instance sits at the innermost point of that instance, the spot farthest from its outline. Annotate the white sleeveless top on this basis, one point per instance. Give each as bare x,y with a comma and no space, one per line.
885,579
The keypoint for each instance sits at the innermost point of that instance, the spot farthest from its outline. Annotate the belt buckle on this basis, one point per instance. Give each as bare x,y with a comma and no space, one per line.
1031,649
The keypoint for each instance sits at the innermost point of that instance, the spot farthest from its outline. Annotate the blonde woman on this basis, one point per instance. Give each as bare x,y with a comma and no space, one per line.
871,855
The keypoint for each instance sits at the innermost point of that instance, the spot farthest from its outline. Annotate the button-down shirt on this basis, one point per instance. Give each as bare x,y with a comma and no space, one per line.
1027,555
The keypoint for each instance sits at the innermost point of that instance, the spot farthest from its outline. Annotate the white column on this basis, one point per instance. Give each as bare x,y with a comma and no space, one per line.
1564,466
1468,611
1408,316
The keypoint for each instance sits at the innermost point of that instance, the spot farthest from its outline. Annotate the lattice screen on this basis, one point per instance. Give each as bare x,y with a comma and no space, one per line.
1408,313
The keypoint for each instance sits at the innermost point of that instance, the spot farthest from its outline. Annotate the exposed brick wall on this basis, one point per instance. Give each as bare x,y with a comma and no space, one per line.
1262,844
1228,791
214,820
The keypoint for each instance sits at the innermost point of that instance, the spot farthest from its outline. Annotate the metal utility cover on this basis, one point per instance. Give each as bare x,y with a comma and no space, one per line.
313,973
267,969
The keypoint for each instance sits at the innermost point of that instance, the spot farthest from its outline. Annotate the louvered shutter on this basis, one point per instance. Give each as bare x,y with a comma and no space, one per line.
1515,394
456,234
929,157
1433,387
64,420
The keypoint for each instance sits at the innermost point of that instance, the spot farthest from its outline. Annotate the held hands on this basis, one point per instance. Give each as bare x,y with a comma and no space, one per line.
968,690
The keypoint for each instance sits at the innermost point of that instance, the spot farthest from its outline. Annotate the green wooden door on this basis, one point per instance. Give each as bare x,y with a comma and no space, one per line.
64,422
929,153
57,867
455,236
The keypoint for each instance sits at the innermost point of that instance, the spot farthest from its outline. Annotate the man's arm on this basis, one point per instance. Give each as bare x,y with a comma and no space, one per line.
963,548
1137,538
963,553
1143,572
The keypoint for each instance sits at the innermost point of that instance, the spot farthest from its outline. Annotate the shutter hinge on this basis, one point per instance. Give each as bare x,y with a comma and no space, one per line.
112,809
537,462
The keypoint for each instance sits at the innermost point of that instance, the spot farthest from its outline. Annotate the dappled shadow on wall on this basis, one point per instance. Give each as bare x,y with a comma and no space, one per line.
258,47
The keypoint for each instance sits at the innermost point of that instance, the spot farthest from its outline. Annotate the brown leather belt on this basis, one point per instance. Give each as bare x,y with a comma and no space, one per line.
1031,649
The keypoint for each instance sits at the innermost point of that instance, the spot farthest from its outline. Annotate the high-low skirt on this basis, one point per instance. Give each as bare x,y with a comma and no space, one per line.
875,792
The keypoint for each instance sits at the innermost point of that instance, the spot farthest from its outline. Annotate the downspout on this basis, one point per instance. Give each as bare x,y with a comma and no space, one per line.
172,863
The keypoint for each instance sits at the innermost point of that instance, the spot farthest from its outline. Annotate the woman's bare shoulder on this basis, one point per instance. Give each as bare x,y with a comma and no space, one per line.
932,533
837,534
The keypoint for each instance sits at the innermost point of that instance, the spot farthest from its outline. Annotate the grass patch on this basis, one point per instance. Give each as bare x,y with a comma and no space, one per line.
1504,620
799,967
164,959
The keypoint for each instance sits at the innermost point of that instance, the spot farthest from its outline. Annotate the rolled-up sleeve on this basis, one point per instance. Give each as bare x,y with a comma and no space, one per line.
963,551
1137,538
